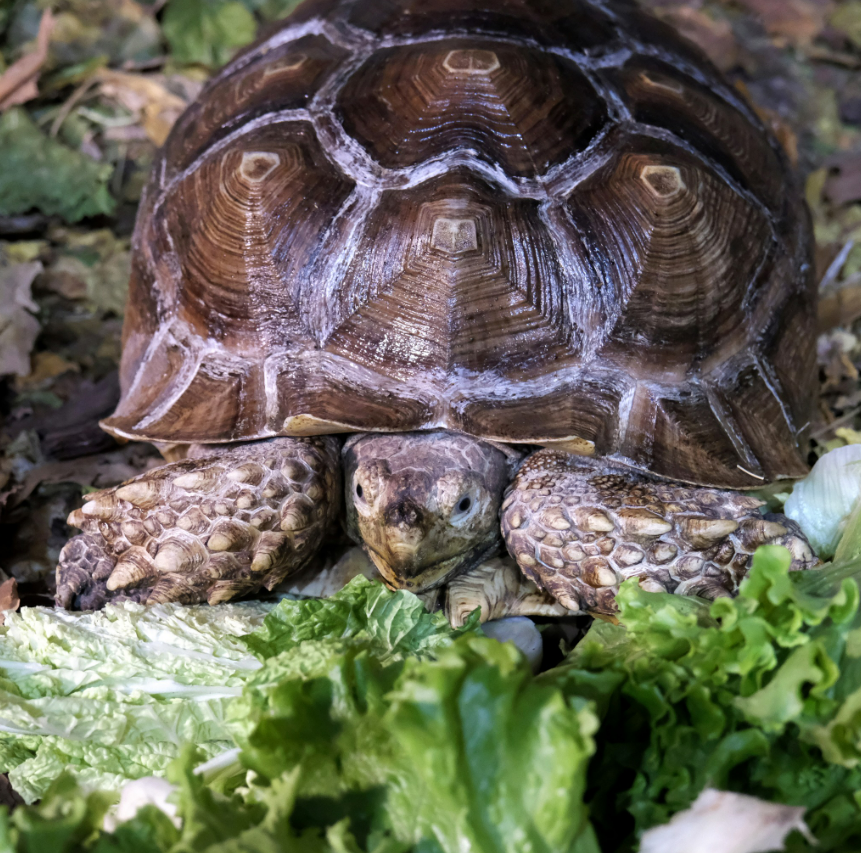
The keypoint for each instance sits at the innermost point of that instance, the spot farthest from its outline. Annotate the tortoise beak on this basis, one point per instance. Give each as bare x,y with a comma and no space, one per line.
406,524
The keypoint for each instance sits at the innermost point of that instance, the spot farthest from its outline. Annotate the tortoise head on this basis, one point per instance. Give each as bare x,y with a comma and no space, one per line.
424,505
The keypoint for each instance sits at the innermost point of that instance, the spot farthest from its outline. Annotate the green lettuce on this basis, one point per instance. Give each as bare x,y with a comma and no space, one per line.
113,695
366,724
757,694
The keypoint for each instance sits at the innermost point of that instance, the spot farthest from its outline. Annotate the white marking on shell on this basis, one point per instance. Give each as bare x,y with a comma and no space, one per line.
455,235
289,63
471,63
256,166
663,182
668,85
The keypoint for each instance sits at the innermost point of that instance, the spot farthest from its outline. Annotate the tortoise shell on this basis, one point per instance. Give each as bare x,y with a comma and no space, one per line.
542,221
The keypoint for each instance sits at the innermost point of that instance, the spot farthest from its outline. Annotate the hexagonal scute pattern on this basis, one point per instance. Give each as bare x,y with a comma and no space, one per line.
523,109
532,221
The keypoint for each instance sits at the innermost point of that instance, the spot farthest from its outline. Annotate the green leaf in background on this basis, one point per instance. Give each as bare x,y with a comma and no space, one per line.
847,19
207,32
271,10
43,174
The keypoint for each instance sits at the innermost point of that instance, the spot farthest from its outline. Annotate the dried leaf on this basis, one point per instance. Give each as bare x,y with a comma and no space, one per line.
147,98
800,21
18,82
723,822
46,366
9,599
839,308
844,184
18,327
100,470
116,30
712,35
847,19
99,262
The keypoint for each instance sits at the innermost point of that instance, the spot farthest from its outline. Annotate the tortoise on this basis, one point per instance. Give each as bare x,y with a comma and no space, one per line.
537,260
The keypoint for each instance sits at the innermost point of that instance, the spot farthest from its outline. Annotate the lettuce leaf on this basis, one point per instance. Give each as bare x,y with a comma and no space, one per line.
393,624
756,694
113,695
369,725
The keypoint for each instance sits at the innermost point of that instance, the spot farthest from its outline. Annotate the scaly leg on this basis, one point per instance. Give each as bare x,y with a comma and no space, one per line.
500,590
579,527
205,529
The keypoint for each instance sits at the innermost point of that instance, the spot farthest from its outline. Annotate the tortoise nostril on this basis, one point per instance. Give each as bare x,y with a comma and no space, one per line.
404,513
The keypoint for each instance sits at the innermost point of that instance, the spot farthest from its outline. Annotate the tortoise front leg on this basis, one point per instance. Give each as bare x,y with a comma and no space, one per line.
205,529
500,590
579,527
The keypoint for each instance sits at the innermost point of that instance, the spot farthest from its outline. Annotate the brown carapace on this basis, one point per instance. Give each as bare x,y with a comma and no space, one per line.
538,221
469,226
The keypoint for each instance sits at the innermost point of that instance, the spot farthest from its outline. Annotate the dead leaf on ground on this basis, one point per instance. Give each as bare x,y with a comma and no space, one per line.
146,97
18,327
712,35
844,182
45,366
799,21
847,20
841,307
18,81
9,599
94,263
99,471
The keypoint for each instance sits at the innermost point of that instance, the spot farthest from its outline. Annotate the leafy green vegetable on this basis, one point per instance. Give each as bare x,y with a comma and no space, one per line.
207,32
42,173
822,503
370,725
755,695
113,695
392,623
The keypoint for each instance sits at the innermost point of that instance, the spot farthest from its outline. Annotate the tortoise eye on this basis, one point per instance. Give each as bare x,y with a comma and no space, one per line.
465,504
360,492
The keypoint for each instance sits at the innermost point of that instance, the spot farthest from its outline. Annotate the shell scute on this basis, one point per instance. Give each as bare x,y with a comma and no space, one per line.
521,109
577,25
452,285
545,221
284,78
674,271
246,225
661,96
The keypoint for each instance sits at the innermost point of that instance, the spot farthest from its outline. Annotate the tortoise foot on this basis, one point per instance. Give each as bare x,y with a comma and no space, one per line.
205,529
579,527
500,590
